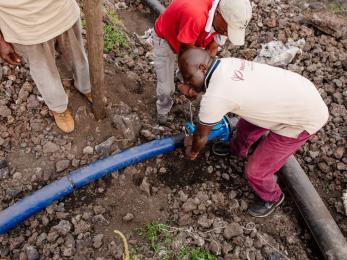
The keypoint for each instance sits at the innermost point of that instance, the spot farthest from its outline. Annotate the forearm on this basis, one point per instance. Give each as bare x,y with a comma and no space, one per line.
199,142
212,48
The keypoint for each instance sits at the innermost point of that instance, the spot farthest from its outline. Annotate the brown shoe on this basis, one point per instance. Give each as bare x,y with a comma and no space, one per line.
64,121
89,97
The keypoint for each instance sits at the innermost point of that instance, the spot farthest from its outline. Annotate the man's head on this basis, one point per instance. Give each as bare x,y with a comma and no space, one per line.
231,19
193,64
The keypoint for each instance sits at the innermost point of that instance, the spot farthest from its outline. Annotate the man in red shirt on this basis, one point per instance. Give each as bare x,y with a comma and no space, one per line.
193,23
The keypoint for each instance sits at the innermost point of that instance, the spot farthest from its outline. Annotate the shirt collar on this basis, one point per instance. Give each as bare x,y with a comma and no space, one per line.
210,71
211,13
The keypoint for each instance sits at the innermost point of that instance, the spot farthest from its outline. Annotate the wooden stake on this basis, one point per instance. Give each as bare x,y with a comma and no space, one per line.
95,44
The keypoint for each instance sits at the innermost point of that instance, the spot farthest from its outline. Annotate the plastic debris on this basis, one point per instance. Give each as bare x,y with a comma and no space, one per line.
278,54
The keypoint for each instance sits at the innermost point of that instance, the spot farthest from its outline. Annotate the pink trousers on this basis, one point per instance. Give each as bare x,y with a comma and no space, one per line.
268,157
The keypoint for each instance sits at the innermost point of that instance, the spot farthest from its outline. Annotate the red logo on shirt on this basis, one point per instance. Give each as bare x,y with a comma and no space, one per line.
238,74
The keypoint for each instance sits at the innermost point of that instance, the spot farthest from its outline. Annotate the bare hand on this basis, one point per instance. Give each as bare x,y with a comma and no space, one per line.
8,53
188,141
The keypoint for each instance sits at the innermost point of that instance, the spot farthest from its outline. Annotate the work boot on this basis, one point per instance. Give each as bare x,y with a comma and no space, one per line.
261,208
64,121
89,97
221,148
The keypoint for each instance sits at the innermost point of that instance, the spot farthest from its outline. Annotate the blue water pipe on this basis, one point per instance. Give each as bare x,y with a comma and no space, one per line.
60,188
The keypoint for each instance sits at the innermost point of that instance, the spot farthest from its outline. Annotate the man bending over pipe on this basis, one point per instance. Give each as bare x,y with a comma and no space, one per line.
188,23
267,99
32,29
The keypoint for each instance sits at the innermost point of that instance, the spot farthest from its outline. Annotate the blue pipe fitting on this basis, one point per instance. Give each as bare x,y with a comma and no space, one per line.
222,130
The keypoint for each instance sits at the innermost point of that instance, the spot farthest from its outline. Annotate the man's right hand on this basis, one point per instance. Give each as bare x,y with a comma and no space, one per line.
8,53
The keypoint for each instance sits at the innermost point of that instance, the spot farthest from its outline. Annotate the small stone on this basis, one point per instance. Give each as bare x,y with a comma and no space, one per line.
32,102
99,219
184,219
88,150
63,227
232,230
204,222
128,217
210,169
243,205
5,111
32,253
226,176
215,247
17,176
182,196
189,205
62,165
339,152
97,240
99,210
16,242
4,173
232,194
50,147
145,186
324,167
52,236
105,146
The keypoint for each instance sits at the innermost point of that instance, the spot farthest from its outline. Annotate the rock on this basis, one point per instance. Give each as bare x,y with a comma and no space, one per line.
232,194
204,222
88,150
80,226
243,205
97,240
99,219
63,227
62,165
105,146
215,247
145,186
328,23
99,210
31,253
50,147
32,102
147,134
324,167
189,205
210,169
17,176
130,125
4,170
184,219
339,152
3,164
182,196
232,230
16,242
5,111
52,236
128,217
248,54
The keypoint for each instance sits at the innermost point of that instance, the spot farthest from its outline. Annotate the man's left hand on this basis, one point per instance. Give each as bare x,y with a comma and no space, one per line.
188,142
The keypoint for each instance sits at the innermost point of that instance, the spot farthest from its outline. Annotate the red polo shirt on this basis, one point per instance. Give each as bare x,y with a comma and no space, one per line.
184,21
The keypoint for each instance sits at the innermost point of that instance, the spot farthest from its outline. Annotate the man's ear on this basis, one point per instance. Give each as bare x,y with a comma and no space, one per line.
203,68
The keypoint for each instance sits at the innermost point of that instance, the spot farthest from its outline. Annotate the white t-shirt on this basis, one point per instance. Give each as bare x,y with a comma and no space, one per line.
273,98
36,21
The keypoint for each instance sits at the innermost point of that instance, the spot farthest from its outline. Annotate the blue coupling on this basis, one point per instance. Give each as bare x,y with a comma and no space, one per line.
221,131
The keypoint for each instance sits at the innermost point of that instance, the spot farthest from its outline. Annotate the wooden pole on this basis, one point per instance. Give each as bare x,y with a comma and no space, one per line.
95,43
